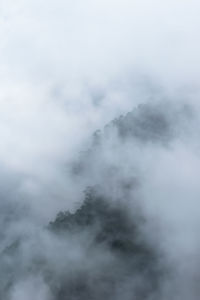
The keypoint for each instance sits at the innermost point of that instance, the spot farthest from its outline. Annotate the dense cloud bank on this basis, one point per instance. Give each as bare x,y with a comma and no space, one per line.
126,237
99,149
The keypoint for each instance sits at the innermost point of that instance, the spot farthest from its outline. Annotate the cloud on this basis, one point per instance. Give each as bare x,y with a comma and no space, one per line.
68,68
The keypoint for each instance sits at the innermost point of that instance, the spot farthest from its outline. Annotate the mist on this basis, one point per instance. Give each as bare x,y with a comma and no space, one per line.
99,100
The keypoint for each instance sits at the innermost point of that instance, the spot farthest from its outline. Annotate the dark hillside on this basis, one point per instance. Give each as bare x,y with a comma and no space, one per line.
133,261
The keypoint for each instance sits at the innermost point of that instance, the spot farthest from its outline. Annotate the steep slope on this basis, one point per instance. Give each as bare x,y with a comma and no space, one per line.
127,260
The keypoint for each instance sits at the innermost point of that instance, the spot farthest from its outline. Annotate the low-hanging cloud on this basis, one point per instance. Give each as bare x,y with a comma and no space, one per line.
69,68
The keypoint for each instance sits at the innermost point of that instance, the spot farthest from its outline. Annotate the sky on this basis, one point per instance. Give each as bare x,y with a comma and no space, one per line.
67,68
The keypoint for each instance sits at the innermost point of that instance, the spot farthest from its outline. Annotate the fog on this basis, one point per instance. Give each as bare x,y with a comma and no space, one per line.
129,69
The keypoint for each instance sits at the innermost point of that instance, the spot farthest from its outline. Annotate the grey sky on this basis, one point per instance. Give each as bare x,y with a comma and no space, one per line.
67,68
